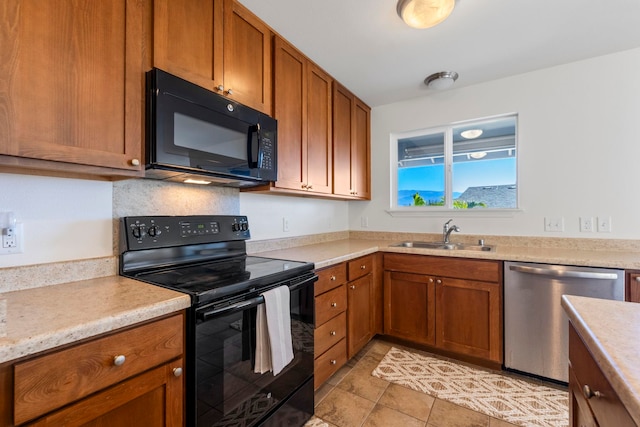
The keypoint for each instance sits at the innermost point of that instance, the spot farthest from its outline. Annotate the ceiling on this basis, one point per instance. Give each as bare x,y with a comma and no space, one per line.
365,45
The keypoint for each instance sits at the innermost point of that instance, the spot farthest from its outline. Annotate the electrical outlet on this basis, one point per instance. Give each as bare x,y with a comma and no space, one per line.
586,224
554,223
604,224
11,239
285,224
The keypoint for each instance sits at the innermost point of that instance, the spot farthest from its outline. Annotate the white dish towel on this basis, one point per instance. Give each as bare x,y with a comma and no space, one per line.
274,347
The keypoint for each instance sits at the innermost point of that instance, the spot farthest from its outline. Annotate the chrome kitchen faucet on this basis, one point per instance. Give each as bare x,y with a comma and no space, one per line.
446,231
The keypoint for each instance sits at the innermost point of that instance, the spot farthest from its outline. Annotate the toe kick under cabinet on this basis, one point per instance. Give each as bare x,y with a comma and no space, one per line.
133,374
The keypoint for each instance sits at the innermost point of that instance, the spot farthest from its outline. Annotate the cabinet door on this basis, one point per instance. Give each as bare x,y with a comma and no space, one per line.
469,317
247,57
290,109
359,313
188,40
153,399
360,151
351,145
409,306
343,104
73,83
633,286
318,158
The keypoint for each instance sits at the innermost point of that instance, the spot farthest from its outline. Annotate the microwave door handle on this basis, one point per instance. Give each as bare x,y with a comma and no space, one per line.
253,160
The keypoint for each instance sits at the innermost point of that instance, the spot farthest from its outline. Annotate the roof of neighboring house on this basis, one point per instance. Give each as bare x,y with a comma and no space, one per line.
494,196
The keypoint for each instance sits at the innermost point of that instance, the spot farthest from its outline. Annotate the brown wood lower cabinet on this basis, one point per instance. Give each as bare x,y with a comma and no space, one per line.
593,401
130,377
409,309
450,304
632,290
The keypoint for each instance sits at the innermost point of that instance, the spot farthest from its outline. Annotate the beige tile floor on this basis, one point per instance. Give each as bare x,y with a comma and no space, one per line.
354,398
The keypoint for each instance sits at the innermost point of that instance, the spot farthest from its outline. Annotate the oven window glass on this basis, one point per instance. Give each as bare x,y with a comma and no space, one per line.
228,390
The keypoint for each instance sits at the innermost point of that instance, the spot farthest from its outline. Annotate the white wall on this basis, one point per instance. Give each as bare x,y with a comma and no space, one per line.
63,219
305,215
578,148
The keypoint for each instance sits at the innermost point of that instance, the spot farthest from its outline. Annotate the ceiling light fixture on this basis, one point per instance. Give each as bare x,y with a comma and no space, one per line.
424,13
478,155
471,133
441,80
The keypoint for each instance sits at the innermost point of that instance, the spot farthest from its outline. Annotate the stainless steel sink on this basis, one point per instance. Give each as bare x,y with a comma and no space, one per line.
445,246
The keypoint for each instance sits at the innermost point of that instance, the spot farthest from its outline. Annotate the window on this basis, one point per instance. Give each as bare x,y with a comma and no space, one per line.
470,165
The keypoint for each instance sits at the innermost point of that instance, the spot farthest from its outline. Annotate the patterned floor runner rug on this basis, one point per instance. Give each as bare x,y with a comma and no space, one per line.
500,396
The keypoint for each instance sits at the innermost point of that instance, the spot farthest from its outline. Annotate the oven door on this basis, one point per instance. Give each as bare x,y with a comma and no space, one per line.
228,392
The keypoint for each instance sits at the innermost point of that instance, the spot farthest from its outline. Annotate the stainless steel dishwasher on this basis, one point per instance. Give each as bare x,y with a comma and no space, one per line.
535,326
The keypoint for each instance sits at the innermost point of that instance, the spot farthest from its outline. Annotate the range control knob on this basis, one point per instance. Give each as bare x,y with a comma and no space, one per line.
153,231
138,231
245,226
235,226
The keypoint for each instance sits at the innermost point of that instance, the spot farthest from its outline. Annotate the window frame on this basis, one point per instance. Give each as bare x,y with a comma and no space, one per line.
447,209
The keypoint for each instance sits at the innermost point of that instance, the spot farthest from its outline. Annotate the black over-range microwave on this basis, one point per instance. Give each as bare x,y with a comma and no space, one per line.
197,136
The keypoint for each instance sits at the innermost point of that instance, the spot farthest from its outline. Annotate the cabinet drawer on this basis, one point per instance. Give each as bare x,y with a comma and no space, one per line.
327,364
330,304
607,408
330,333
457,268
330,278
47,382
360,267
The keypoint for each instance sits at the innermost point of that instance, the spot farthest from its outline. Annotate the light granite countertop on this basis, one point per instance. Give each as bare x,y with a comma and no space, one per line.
610,329
328,253
43,318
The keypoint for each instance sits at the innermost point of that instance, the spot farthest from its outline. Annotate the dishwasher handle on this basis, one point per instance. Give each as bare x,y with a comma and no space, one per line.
563,273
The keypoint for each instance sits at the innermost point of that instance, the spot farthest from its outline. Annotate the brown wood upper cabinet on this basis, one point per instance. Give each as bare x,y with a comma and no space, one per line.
452,304
217,44
303,110
72,86
351,145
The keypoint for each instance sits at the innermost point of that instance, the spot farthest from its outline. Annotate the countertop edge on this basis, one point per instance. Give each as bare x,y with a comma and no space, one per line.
629,395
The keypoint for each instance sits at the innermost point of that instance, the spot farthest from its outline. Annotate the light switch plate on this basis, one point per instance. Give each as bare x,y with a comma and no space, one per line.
554,223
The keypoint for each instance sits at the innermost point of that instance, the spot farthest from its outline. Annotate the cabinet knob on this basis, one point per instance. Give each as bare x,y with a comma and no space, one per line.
220,88
305,186
363,267
177,372
135,162
229,92
588,393
334,304
352,286
430,280
333,278
309,186
333,361
438,281
637,279
332,333
119,360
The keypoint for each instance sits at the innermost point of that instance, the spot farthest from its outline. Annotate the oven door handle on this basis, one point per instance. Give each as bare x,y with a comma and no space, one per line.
253,302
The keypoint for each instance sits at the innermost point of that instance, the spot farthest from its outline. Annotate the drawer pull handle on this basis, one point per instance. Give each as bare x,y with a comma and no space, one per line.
119,360
363,267
332,333
334,304
334,361
588,393
177,372
333,278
